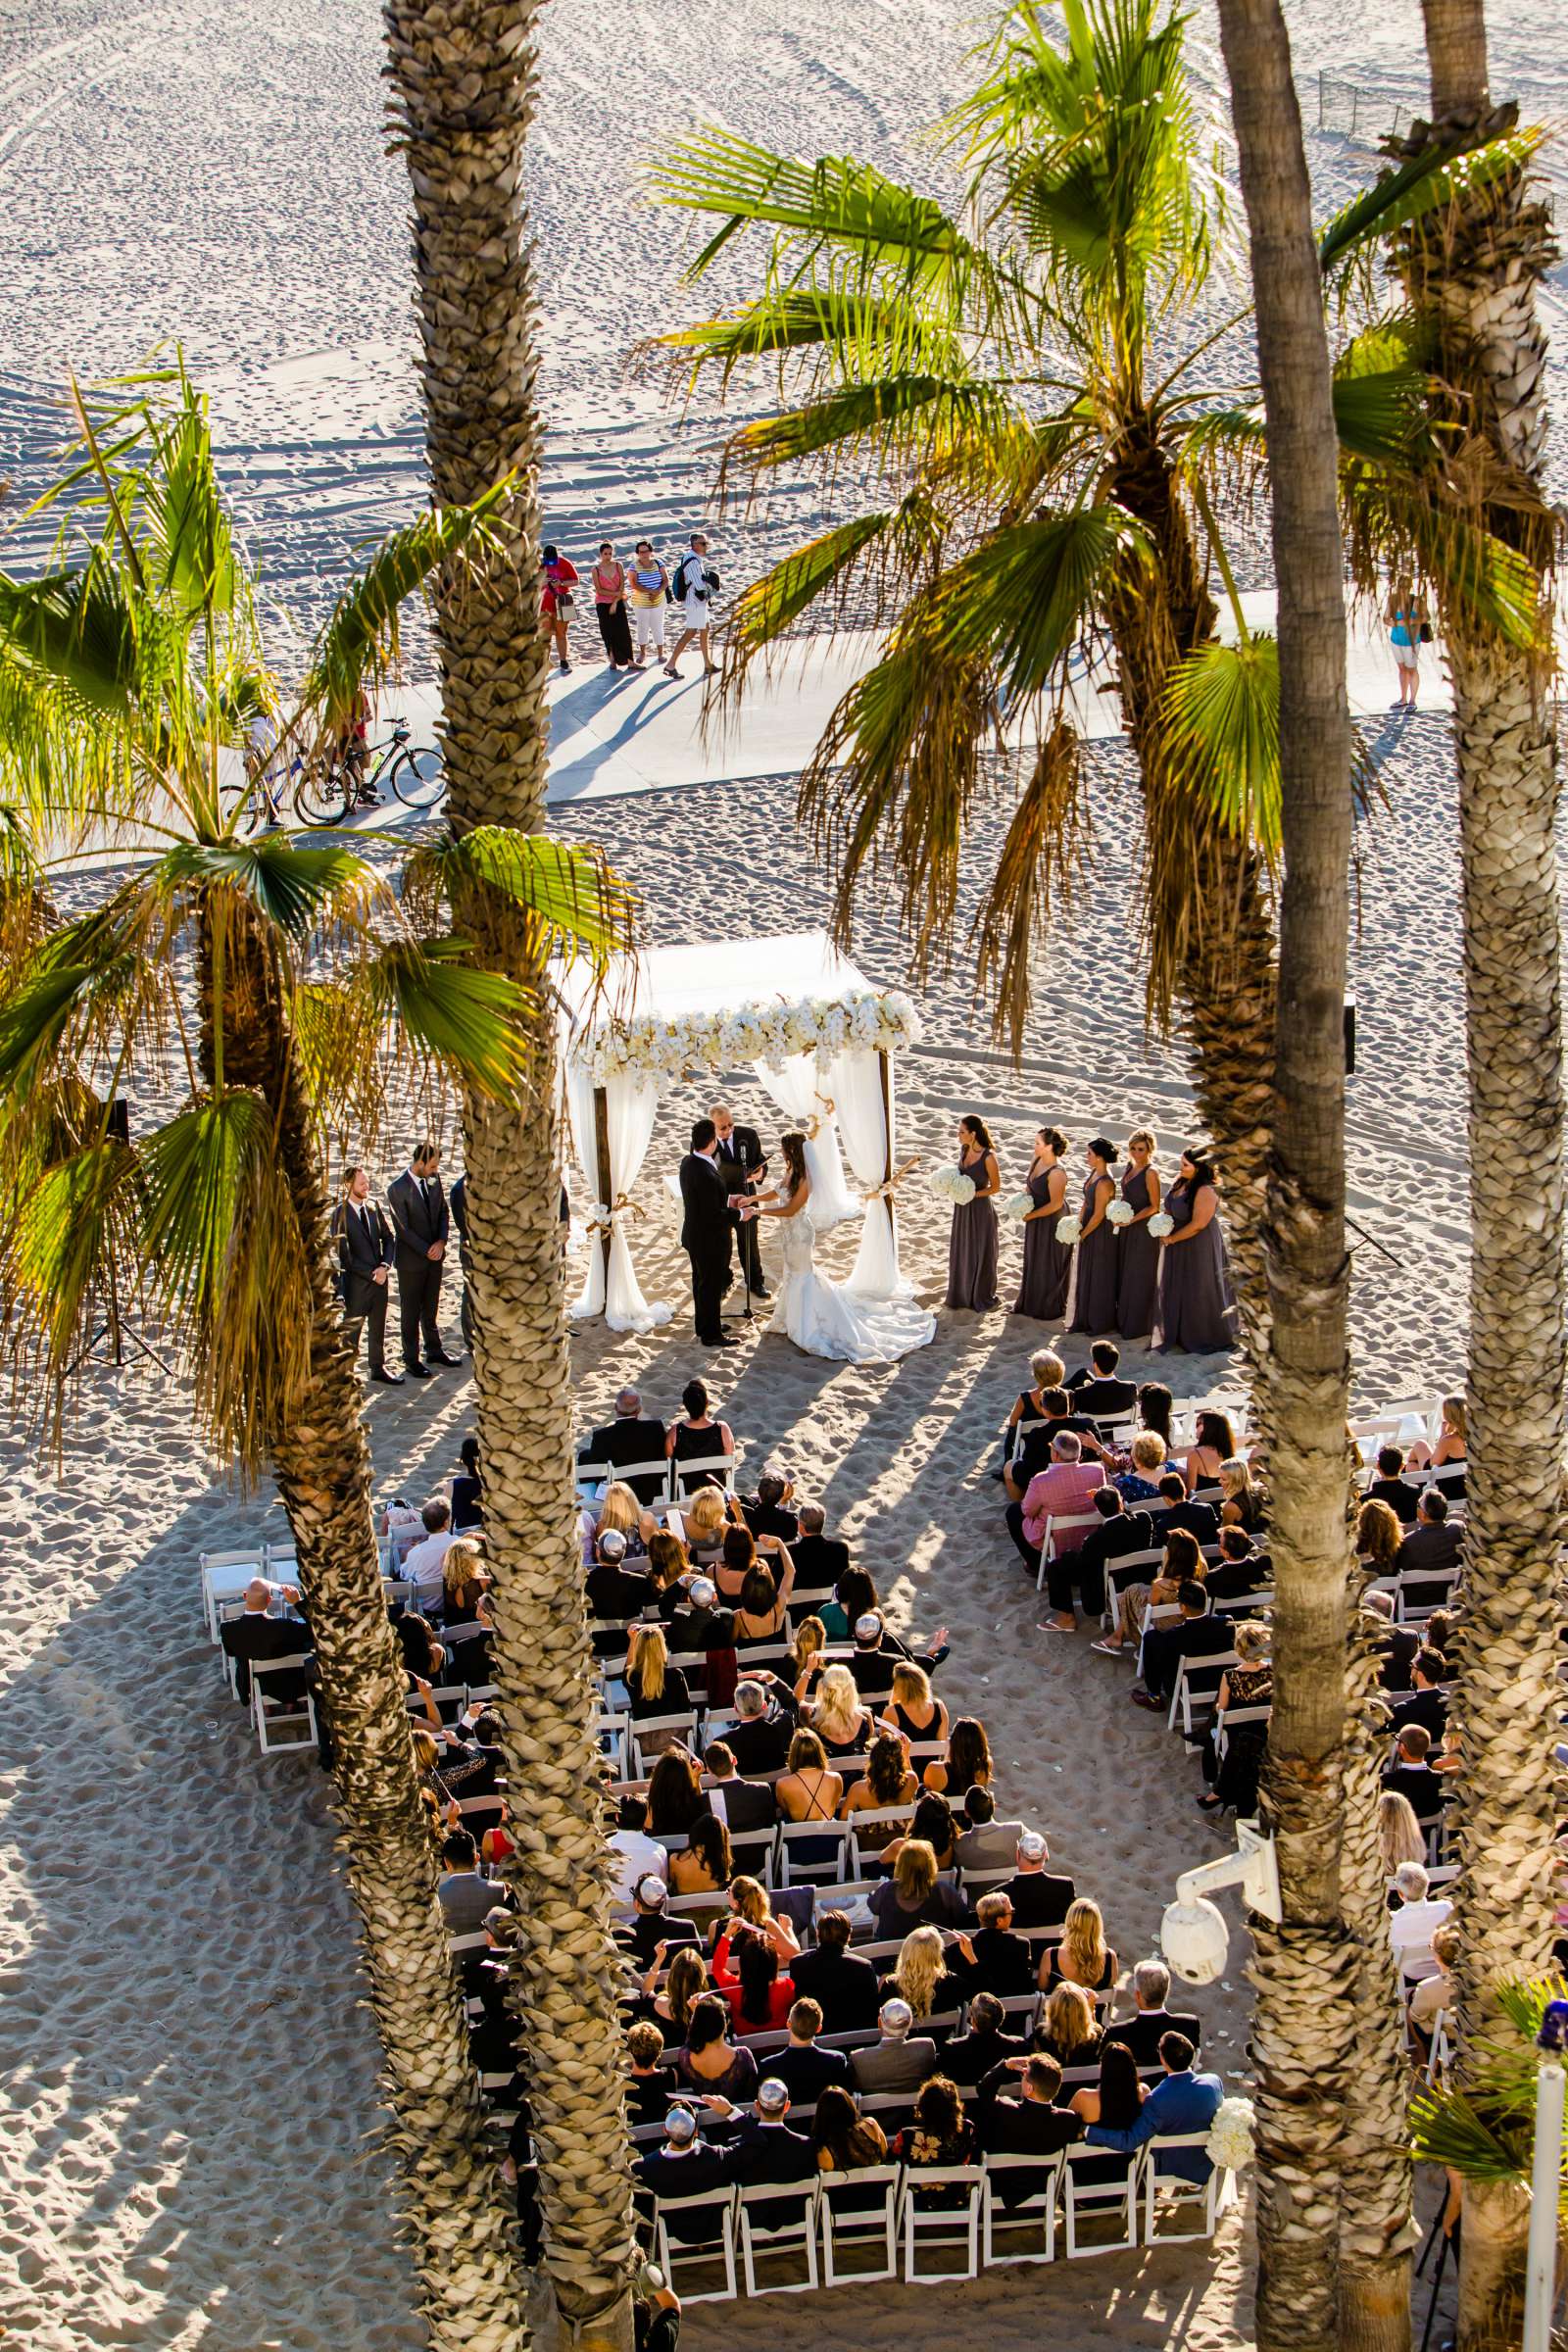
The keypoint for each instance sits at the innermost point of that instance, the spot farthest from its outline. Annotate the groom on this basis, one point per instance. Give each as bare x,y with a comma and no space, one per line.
705,1227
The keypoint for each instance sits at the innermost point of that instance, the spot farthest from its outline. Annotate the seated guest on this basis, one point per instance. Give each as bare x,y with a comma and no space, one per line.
854,1593
1451,1445
1386,1485
920,1975
765,2150
1439,1632
1061,1491
1412,1776
1396,1644
699,1624
1083,1957
669,1572
940,2135
1241,1569
931,1822
1411,1926
683,1988
1250,1682
842,1724
914,1896
1435,1996
845,2141
1433,1544
1426,1704
653,1687
1378,1537
1037,1450
1045,1371
632,1437
1096,1387
743,1806
811,1792
994,1959
1038,1899
706,1522
750,1907
984,1842
1183,1563
913,1708
1119,1533
262,1633
676,1796
886,1782
761,1616
873,1660
984,2050
468,1489
684,2166
637,1854
466,1893
422,1567
760,1737
1400,1837
968,1761
1196,1634
820,1559
767,1512
699,1436
652,2084
1115,2100
1199,1519
1068,2031
1183,2103
1139,1480
809,1659
708,2062
899,2061
464,1580
1030,2125
617,1590
492,2041
1152,2018
616,1512
650,1931
1214,1443
749,1978
806,2070
705,1865
842,1985
1245,1503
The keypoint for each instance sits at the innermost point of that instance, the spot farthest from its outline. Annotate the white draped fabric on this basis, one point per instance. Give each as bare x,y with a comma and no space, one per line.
630,1113
799,1093
854,1082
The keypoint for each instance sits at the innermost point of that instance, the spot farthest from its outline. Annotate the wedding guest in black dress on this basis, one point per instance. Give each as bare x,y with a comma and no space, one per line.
972,1249
1138,1267
1197,1310
1046,1262
1094,1303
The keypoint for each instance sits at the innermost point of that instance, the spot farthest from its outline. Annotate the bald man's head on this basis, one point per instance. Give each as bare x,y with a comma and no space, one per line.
258,1593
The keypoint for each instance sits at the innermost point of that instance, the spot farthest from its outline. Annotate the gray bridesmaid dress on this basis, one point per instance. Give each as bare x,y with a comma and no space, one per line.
1197,1309
1093,1306
1138,1265
972,1248
1046,1262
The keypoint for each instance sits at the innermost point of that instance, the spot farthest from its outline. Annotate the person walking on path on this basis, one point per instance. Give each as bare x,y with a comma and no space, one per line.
650,601
1406,617
695,585
609,607
558,577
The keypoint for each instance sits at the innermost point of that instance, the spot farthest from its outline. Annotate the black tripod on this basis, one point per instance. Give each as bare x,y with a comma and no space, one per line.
112,1328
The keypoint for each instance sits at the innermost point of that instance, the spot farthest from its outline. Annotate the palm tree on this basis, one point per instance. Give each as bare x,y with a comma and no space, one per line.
1325,2136
1474,524
463,79
265,987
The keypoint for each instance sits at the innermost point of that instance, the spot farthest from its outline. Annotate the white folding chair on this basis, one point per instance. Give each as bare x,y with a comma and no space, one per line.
1114,2200
791,2230
698,1468
699,2252
1063,1533
271,1717
1166,2193
629,1474
1027,2215
224,1577
955,2223
794,1835
680,1727
859,2210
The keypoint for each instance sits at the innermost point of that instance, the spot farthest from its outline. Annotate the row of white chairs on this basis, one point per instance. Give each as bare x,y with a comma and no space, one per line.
900,2214
677,1481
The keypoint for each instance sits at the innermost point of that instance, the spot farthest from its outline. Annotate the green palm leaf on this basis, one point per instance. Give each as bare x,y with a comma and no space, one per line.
863,334
293,884
1222,711
472,1020
574,896
88,632
183,534
766,609
1424,184
67,1248
1022,599
1046,842
834,201
901,418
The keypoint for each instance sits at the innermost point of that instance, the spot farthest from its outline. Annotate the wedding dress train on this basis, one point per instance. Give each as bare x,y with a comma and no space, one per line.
824,1320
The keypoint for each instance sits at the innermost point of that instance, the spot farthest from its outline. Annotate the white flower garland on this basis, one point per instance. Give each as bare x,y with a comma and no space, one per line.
951,1184
1160,1225
1231,2135
867,1020
1120,1212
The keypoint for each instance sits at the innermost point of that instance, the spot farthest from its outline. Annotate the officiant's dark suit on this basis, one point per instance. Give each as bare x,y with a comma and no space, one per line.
419,1214
365,1242
707,1223
738,1153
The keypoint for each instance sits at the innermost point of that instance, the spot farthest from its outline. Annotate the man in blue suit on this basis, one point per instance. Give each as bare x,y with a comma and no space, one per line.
1184,2103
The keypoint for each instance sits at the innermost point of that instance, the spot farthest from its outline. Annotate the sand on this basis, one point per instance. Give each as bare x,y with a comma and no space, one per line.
187,2085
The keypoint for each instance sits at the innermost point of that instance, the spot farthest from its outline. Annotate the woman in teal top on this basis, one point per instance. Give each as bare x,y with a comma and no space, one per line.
1405,616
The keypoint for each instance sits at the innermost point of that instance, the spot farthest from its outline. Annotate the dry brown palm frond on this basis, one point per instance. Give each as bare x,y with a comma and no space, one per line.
1044,846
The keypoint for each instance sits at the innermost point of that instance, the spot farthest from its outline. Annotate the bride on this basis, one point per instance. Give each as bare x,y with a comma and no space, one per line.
815,1313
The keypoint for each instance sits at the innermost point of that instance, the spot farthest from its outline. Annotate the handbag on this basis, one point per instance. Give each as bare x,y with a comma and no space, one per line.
1426,633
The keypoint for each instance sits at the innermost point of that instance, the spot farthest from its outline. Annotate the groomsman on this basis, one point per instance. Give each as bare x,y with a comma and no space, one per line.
366,1248
422,1223
458,1209
741,1165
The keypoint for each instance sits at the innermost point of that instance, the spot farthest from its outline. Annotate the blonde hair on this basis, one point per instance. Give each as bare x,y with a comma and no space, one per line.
1235,1477
1083,1940
650,1655
811,1640
750,1898
1068,2018
919,1965
1048,1368
620,1508
1252,1641
914,1873
1142,1134
910,1681
1400,1838
705,1513
838,1702
428,1755
462,1563
1452,1409
1149,1449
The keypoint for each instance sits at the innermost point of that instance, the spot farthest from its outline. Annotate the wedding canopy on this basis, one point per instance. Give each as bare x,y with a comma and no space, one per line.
818,1033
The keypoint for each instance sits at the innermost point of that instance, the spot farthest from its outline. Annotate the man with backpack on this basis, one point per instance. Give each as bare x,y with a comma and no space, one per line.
693,589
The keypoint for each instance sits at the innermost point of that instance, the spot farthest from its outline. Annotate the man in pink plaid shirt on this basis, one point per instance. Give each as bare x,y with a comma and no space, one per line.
1060,1492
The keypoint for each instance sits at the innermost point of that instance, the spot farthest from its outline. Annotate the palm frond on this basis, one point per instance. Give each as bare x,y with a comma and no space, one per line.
1021,601
856,333
293,884
184,534
766,609
87,631
569,894
1424,183
68,1254
900,420
1222,735
1042,850
471,1021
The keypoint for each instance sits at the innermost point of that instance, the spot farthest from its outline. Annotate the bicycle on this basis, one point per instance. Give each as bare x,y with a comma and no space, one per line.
332,787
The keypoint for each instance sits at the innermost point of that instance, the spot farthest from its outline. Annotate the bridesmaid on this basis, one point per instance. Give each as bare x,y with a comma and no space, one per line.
1093,1306
973,1249
1196,1308
1046,1262
1138,1266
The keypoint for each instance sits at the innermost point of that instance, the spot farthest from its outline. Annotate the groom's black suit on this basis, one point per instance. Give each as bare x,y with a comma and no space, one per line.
705,1234
740,1152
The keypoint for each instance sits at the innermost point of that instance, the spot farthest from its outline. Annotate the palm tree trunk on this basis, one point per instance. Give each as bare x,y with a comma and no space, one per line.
1347,2283
1476,274
462,73
472,2282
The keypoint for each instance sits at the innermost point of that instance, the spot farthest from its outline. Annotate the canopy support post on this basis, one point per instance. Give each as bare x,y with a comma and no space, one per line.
602,1170
885,1074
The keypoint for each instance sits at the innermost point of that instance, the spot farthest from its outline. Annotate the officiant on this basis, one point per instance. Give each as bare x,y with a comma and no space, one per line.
741,1165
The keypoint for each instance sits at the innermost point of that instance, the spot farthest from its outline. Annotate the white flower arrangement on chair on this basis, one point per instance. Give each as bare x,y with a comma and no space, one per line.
1231,2138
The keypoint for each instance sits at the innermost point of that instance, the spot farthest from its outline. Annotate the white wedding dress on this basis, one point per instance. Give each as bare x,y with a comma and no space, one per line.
824,1320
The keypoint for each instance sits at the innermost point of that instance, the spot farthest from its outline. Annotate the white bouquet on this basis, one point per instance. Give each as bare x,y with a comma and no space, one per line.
1018,1206
1230,2139
1160,1225
1069,1229
1120,1212
951,1184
